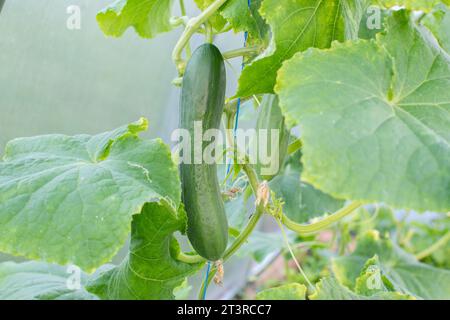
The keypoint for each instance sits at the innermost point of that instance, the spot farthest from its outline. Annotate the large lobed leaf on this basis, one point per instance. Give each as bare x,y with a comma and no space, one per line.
438,22
70,199
302,202
147,17
151,270
331,289
375,117
424,5
402,269
243,16
39,281
296,25
291,291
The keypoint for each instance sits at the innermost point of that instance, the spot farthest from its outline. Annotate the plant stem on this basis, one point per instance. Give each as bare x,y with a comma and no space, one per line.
245,51
182,8
240,240
322,224
433,248
294,258
295,146
191,27
209,32
192,259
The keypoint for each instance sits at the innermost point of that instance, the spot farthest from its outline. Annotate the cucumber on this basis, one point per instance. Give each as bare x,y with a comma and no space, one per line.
1,4
270,117
202,99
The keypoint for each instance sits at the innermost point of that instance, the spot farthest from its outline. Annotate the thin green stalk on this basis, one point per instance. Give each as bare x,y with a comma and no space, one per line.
286,240
295,146
245,51
240,240
252,177
191,27
433,248
182,8
209,32
322,224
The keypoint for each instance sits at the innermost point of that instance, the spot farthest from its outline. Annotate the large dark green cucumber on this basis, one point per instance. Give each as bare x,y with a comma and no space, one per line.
1,4
202,99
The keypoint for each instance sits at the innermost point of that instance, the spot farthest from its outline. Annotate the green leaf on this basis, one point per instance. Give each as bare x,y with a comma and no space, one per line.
424,5
374,118
353,12
70,199
331,289
373,22
382,220
372,281
296,25
183,291
302,201
39,281
242,18
236,210
424,235
439,23
151,270
261,244
147,17
291,291
404,272
216,20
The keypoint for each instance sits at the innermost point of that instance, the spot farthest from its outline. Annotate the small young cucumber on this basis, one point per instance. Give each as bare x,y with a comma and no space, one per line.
202,99
270,118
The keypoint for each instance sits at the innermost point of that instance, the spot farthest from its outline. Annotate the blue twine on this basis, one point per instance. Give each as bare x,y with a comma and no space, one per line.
238,106
208,269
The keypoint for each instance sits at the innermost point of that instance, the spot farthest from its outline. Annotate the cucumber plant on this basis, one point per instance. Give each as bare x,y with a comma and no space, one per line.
360,90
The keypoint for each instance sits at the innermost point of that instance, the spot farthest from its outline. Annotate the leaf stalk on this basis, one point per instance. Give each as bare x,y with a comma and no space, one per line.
191,27
322,224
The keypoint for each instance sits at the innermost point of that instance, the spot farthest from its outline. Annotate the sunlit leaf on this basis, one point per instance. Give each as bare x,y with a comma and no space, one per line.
147,17
374,118
292,291
296,25
41,281
402,269
151,270
70,199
